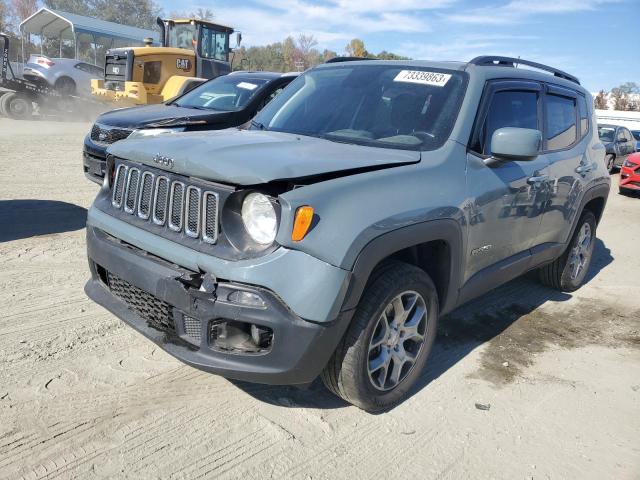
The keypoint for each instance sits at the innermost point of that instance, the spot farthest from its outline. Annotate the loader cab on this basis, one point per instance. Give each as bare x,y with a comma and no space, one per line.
189,52
209,42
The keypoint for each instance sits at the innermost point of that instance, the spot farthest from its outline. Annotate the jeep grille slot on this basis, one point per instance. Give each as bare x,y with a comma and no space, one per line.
183,209
210,217
160,201
192,226
146,189
176,203
131,190
118,186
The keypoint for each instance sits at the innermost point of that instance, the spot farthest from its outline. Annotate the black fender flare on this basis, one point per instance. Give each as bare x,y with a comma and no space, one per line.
446,230
597,191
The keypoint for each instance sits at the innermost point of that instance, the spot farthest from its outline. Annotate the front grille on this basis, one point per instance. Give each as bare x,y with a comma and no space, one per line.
106,135
192,328
170,203
115,72
155,312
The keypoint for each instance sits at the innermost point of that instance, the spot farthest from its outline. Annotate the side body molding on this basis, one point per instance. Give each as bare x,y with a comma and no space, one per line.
446,230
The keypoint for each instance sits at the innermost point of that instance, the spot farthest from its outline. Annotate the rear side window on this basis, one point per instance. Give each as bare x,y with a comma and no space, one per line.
508,109
584,116
561,122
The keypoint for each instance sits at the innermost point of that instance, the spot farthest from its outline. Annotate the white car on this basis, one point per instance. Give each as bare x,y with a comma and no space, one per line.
66,75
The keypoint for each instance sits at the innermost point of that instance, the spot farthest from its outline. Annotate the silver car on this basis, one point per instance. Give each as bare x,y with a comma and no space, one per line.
68,76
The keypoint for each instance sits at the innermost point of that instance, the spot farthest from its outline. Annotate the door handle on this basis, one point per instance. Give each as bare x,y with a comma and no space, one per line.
538,179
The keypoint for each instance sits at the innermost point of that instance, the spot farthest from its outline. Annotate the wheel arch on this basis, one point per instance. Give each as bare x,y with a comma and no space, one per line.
435,246
594,199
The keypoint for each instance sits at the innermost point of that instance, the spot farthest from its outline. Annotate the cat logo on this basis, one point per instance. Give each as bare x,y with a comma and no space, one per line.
183,64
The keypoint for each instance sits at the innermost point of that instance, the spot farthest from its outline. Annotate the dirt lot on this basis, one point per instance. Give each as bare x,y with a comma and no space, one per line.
81,395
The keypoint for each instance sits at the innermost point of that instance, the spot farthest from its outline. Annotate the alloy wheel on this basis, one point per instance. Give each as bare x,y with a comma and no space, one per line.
580,253
397,340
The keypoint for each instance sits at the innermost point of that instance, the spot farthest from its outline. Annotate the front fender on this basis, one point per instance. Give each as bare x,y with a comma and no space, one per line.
447,230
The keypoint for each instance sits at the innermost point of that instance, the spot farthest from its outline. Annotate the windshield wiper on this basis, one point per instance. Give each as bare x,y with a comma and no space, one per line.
258,125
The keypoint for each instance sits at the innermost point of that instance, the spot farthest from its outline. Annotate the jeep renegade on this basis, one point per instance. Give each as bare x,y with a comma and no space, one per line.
365,201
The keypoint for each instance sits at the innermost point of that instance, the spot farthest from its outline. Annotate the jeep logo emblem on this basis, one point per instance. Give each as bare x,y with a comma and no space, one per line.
183,64
163,161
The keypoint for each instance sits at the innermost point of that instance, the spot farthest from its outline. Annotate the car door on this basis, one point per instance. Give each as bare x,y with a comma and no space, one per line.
566,126
629,144
506,199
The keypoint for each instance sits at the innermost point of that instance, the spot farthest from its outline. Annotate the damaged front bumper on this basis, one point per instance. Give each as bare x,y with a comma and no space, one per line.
193,317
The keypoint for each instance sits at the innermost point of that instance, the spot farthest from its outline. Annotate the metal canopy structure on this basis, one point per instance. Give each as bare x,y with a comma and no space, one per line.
51,23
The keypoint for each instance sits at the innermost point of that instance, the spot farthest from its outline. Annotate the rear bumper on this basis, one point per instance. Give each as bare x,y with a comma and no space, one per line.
299,350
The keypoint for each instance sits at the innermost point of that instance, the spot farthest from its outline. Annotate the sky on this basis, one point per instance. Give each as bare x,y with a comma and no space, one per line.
596,40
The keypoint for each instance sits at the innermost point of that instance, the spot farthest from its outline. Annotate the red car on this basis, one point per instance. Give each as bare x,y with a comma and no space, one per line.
630,174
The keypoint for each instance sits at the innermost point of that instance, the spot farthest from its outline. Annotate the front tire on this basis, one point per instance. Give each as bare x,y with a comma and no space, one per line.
389,340
567,273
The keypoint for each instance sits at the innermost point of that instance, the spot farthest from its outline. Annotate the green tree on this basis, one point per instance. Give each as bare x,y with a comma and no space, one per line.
384,55
355,48
136,13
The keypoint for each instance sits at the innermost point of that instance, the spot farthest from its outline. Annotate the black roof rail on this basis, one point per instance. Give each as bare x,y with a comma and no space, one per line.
346,59
496,61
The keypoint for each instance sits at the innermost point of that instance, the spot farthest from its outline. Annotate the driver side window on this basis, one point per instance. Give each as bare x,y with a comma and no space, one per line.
508,108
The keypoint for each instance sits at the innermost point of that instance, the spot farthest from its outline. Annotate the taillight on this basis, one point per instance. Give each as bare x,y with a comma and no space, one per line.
45,62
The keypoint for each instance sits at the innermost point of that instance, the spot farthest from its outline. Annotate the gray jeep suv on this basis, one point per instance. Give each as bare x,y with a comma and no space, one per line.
366,201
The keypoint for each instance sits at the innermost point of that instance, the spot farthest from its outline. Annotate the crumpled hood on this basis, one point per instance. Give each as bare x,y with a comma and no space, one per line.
160,115
252,157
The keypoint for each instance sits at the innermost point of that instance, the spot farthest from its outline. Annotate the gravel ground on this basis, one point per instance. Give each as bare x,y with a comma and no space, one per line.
556,376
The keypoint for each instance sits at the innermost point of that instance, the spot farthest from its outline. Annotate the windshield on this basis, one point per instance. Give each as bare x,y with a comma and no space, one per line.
606,134
182,35
388,106
636,134
230,93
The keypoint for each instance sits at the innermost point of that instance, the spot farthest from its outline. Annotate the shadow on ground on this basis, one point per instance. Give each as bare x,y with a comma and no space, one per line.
462,331
29,218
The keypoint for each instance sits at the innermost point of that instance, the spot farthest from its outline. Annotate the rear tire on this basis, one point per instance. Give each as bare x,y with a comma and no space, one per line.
567,273
383,352
65,86
17,106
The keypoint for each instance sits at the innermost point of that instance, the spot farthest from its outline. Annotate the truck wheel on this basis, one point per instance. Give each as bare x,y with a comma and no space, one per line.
610,159
567,273
390,337
16,106
3,99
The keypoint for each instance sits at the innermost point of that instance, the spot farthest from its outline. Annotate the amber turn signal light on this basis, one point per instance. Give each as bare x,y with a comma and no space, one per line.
302,223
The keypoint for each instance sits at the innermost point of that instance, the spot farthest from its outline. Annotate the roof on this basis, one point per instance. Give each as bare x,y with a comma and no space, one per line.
55,23
264,75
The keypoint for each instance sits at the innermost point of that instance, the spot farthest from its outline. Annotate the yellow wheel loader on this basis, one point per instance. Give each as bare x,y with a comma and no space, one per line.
191,52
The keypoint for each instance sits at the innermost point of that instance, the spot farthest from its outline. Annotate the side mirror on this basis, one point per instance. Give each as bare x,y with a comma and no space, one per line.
511,143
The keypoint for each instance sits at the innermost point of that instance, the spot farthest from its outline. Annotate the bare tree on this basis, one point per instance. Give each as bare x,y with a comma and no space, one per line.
24,8
620,99
203,14
600,100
